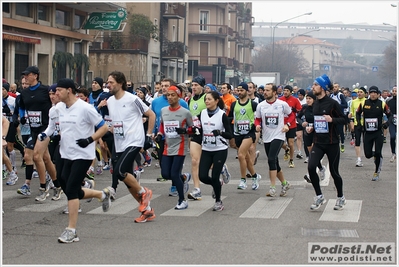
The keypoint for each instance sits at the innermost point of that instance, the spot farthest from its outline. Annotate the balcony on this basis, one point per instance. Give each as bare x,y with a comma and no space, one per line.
211,30
120,43
172,49
215,60
173,11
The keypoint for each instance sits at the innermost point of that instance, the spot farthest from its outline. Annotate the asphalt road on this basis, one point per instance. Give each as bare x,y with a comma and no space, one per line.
252,229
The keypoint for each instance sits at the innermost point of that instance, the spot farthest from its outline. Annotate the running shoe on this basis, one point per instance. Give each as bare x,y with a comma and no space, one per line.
35,174
139,168
161,179
24,190
90,173
272,192
99,170
106,202
154,155
322,173
49,182
12,178
307,178
173,191
340,203
284,189
352,142
68,236
43,194
392,158
90,185
306,160
106,167
257,153
255,181
242,185
225,174
318,201
291,163
57,193
137,175
218,206
299,156
145,198
146,216
287,154
376,177
195,194
182,205
359,163
186,179
342,148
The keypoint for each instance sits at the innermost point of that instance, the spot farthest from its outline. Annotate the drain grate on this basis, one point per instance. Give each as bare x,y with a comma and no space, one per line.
329,232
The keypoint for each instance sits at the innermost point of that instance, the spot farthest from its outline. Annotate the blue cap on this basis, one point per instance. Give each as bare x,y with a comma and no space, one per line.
323,81
213,88
52,88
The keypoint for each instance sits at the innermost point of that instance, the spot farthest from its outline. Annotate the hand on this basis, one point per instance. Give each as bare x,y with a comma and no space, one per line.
216,132
196,131
147,142
41,136
84,142
158,138
285,128
294,110
181,130
23,120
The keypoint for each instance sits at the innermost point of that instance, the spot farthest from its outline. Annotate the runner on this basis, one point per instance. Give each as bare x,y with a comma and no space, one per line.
270,116
243,114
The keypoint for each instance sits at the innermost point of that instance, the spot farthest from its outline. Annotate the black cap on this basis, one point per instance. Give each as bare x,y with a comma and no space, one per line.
31,69
243,85
310,94
374,89
6,86
52,88
66,83
99,80
301,92
200,80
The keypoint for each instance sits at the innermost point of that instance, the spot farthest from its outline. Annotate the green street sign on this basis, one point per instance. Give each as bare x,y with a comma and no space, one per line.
105,20
291,80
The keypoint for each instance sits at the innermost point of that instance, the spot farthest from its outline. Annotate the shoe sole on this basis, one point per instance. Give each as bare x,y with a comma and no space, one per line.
316,208
76,239
41,199
107,199
146,220
189,196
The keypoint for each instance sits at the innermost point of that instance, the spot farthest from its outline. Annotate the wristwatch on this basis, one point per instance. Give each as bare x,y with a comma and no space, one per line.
289,124
4,138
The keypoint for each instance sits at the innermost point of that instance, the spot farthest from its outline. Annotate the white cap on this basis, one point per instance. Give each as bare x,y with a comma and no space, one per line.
187,81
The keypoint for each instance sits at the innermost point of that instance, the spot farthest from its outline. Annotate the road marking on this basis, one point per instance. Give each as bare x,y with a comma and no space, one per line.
267,208
350,213
194,209
120,206
46,206
330,232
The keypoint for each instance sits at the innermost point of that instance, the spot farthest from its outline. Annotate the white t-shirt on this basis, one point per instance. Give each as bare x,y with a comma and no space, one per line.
54,122
126,114
272,115
76,122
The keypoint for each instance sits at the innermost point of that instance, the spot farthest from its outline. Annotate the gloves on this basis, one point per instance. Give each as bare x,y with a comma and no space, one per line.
41,136
294,110
15,123
385,125
193,130
216,132
181,130
147,142
84,142
23,120
158,138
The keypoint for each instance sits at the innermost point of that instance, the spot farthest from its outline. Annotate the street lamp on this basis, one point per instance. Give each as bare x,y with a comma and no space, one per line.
302,34
274,28
382,37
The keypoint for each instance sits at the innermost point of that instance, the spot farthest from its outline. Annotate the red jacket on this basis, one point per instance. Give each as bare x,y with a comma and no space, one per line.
296,106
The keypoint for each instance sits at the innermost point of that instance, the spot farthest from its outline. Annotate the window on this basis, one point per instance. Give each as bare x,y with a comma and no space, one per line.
23,10
173,33
6,7
61,17
43,13
78,21
204,21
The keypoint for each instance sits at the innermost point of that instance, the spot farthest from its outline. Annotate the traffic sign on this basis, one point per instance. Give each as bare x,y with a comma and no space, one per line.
374,68
326,67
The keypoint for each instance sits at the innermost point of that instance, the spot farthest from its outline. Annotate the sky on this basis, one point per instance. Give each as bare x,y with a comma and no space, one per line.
371,12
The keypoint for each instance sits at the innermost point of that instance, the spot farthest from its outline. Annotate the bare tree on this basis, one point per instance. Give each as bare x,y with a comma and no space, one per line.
389,64
288,60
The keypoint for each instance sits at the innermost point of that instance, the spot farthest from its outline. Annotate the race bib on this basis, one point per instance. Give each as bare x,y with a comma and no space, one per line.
35,118
320,124
118,129
371,124
394,119
209,139
196,122
170,129
108,121
271,120
243,127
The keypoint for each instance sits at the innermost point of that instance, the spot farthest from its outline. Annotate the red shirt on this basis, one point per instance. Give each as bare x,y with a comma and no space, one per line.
294,103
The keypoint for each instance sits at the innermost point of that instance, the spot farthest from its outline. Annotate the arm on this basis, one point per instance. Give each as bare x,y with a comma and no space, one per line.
227,129
151,121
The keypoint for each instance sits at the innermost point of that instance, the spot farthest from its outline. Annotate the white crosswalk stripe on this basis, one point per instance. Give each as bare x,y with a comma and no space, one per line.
350,213
267,208
195,208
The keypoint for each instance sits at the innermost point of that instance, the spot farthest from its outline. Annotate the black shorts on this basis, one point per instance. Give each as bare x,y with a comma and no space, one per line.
197,139
30,144
12,131
291,133
299,127
238,138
